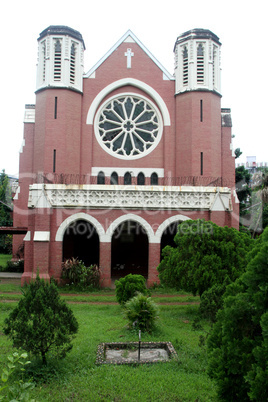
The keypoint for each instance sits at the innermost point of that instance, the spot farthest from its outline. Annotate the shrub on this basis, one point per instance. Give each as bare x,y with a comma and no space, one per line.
77,274
205,255
15,266
41,322
238,344
141,312
211,301
19,389
127,287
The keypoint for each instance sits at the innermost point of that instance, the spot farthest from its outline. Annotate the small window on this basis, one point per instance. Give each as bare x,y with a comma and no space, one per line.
185,66
72,64
44,60
141,179
200,64
114,178
101,178
127,178
57,61
154,179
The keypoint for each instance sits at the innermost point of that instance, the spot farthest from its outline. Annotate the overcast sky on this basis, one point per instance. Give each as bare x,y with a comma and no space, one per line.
240,25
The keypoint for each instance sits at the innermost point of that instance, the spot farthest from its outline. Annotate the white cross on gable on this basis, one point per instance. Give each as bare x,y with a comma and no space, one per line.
129,54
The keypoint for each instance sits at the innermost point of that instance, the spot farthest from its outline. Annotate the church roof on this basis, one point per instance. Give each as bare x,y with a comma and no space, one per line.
129,37
61,30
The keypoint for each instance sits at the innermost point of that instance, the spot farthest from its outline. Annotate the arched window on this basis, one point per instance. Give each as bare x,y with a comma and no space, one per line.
72,64
185,66
200,64
127,178
57,61
114,178
154,179
101,178
141,179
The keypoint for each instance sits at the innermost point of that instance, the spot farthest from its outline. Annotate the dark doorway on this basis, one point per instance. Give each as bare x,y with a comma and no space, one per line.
168,235
129,250
81,241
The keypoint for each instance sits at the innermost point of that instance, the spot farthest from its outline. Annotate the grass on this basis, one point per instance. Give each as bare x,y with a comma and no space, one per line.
77,378
4,258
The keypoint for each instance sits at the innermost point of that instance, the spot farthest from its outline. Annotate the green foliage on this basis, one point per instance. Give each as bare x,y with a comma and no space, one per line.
205,255
82,277
141,312
5,211
237,153
129,286
19,389
41,322
14,266
211,301
238,344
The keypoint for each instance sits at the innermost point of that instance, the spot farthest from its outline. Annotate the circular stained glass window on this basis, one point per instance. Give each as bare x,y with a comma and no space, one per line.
128,126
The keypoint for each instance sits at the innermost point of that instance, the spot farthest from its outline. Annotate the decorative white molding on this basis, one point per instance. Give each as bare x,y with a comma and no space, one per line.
27,236
80,216
130,197
131,217
166,223
41,235
136,83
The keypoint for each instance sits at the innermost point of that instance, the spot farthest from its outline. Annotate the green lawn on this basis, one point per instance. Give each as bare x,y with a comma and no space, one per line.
77,378
4,258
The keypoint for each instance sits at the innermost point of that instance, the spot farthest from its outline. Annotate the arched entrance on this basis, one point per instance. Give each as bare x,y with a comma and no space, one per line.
168,235
129,250
81,241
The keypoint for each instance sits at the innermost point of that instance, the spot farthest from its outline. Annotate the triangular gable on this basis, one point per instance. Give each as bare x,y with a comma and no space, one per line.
129,37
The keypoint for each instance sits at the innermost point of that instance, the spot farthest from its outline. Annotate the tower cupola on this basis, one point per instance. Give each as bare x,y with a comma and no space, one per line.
197,61
60,58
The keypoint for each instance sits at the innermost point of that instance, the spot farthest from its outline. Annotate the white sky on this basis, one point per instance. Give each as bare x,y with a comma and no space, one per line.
240,25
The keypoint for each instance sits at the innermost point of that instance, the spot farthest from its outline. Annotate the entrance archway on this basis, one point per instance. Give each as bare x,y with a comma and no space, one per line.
81,241
129,250
168,235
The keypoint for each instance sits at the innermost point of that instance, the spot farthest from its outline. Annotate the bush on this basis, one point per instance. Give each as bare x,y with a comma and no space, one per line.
205,255
19,389
15,266
141,312
77,274
238,344
41,322
129,286
211,301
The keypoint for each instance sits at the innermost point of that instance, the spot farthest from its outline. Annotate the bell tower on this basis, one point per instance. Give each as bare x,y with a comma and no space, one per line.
198,104
197,61
60,58
59,91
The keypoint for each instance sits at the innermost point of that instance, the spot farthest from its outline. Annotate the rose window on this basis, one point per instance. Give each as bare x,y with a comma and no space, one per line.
128,126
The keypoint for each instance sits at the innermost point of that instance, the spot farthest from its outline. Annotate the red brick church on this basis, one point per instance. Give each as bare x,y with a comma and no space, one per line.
114,158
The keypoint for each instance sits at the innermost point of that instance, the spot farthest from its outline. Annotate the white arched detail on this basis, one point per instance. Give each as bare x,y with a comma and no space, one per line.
136,83
76,217
166,223
130,217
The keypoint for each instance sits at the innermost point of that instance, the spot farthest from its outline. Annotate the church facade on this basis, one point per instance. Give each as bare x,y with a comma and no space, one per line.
113,159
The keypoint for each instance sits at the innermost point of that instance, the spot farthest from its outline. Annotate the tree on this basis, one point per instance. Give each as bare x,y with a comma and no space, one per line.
243,190
5,209
205,255
41,322
237,153
238,344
